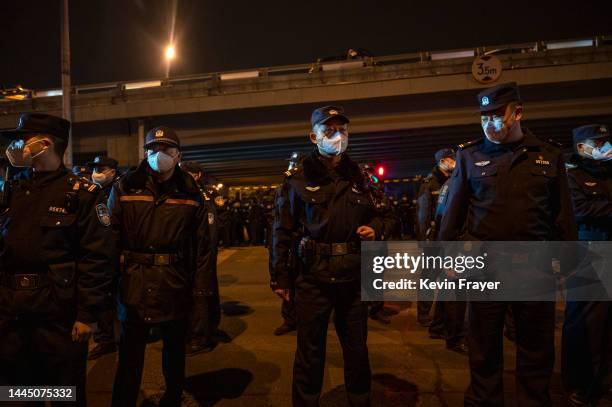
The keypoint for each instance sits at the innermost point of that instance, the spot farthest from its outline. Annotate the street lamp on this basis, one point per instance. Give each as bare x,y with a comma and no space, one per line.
170,54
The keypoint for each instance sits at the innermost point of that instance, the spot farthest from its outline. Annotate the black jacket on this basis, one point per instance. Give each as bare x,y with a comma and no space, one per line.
55,228
590,183
327,207
509,192
161,219
426,204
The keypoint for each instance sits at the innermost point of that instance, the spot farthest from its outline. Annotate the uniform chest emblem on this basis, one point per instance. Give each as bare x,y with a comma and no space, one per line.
313,189
482,163
542,161
58,209
590,184
355,189
103,214
211,218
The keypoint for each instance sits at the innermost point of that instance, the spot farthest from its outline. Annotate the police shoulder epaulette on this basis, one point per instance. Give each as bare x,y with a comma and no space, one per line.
570,166
79,183
552,142
467,144
291,172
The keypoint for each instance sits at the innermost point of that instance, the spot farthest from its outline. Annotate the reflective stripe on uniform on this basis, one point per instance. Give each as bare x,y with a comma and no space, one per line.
132,198
182,202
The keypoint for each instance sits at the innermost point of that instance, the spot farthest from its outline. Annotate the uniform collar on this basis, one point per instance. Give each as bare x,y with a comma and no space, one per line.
44,178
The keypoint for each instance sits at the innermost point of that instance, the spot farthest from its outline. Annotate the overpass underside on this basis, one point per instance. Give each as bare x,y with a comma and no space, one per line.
243,130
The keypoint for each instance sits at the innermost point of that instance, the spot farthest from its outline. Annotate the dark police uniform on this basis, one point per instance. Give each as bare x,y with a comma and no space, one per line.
55,269
587,328
449,314
502,192
326,207
105,335
163,234
206,315
426,228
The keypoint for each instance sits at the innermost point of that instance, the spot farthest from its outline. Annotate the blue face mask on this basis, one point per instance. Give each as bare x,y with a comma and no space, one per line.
598,153
161,162
331,146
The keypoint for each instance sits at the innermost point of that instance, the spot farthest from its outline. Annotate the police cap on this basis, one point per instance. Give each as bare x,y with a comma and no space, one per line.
164,135
498,96
590,131
38,123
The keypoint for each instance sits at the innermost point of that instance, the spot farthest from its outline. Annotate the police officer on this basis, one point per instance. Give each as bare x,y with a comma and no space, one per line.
587,328
104,175
82,171
162,227
324,200
425,226
508,186
205,319
55,262
287,306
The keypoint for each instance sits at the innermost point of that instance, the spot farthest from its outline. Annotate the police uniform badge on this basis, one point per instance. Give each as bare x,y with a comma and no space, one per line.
219,201
211,218
103,214
159,133
482,163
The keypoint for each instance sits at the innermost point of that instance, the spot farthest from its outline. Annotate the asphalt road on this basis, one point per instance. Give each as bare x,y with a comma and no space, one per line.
255,368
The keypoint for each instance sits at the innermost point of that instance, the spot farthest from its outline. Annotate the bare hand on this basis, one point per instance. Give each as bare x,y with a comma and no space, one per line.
81,332
366,233
284,293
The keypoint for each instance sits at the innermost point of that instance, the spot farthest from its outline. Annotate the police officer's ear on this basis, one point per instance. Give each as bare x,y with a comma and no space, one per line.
518,112
313,137
581,147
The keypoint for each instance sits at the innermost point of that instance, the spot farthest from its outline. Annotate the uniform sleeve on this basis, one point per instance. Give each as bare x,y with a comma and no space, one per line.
384,222
457,201
424,208
565,221
283,229
585,208
96,257
204,272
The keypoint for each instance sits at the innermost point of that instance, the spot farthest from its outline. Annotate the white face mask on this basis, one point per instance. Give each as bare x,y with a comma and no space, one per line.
332,146
598,153
161,162
494,129
21,155
102,178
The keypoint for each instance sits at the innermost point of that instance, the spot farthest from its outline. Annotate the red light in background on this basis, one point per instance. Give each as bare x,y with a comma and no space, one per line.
380,170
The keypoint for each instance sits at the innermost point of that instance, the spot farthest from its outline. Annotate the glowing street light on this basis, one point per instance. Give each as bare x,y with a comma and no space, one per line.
170,52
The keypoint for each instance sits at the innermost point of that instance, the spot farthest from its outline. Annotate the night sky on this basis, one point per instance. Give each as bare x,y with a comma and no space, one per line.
121,40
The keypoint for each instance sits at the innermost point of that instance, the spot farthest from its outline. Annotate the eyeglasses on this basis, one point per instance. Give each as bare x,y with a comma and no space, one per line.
329,131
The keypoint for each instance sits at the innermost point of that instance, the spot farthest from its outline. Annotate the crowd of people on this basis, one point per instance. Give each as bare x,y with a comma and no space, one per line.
136,254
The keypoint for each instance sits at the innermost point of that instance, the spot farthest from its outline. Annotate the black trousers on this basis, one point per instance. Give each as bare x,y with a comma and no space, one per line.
41,353
449,321
288,310
587,346
134,334
314,303
535,354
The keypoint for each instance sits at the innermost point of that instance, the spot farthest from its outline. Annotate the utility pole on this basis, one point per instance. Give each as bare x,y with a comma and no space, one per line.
66,86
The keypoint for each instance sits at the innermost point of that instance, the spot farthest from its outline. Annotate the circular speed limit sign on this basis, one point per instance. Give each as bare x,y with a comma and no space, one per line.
486,69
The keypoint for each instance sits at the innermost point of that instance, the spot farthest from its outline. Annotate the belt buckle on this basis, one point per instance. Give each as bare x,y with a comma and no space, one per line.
161,260
26,281
338,249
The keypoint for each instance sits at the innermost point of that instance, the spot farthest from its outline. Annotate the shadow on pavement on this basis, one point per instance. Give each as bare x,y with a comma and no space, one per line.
211,387
235,308
387,390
